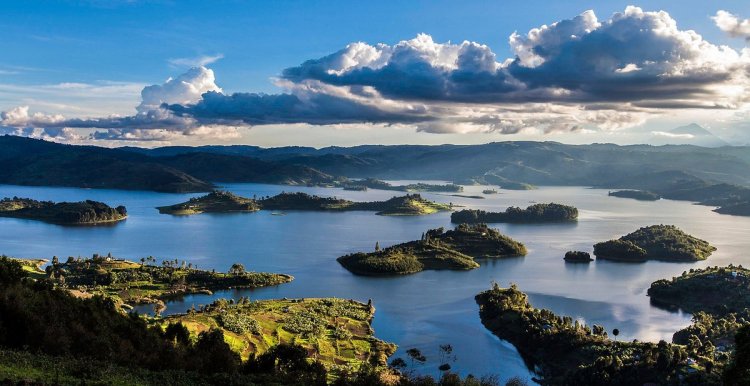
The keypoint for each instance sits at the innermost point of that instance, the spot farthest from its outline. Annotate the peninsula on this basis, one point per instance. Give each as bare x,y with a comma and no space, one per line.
656,242
455,250
537,213
410,204
66,213
132,283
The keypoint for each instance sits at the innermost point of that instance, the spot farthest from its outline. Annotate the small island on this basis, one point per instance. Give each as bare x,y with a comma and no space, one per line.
335,331
641,195
564,351
577,257
656,242
214,202
132,283
489,191
65,213
537,213
455,250
224,202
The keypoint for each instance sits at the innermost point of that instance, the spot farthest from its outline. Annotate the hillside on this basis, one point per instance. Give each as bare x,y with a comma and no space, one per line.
67,213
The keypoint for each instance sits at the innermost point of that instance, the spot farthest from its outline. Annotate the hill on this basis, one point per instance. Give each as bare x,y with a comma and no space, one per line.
214,202
656,242
68,213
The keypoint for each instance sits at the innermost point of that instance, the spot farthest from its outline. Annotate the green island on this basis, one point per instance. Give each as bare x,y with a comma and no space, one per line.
564,351
336,332
577,257
66,213
641,195
129,283
536,213
489,191
656,242
373,183
408,205
454,249
214,202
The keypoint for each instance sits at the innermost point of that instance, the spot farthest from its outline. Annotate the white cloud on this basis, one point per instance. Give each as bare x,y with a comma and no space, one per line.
198,61
185,89
732,24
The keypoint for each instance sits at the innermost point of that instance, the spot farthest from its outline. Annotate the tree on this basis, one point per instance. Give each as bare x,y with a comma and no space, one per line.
615,332
237,269
416,355
377,246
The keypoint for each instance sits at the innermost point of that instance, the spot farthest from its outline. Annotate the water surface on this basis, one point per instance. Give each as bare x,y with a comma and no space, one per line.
422,310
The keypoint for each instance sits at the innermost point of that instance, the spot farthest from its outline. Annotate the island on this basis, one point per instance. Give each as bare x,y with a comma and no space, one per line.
536,213
641,195
408,205
489,191
564,351
337,332
65,213
131,283
455,249
577,257
656,242
214,202
374,183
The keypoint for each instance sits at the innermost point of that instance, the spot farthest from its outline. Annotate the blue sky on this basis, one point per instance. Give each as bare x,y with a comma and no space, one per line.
130,44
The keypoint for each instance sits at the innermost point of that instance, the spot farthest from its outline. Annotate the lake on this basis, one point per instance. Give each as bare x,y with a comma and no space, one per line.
423,310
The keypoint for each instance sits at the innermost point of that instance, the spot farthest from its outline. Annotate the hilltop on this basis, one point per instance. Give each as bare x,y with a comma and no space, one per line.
656,242
66,213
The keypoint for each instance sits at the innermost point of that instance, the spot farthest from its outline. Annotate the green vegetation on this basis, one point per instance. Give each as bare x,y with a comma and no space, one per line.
577,257
334,331
489,191
640,195
133,283
537,213
69,213
566,352
410,204
214,202
455,249
735,209
716,290
656,242
373,183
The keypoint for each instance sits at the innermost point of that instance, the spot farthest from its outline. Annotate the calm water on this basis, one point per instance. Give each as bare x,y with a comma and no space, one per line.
422,310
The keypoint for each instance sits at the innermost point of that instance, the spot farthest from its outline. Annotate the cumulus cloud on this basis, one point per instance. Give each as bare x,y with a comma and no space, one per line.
573,75
732,24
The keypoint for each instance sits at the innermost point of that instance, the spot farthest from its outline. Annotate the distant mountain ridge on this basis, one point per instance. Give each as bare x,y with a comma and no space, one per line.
692,134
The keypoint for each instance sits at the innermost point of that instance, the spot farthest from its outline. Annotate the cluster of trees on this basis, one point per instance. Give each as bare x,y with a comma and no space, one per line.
642,195
568,352
477,240
577,256
84,212
657,242
536,213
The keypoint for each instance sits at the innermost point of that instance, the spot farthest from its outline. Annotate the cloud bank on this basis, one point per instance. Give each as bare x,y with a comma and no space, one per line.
573,75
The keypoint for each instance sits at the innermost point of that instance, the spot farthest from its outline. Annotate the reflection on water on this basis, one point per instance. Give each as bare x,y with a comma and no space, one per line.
422,310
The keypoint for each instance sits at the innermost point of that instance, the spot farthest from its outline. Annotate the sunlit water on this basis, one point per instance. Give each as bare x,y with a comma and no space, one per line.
422,310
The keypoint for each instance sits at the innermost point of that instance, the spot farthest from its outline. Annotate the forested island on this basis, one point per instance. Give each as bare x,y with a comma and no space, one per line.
656,242
641,195
566,352
374,183
131,283
410,204
577,257
454,249
536,213
715,290
66,213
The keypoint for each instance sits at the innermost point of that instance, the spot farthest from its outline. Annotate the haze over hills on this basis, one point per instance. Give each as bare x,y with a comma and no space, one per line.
692,134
